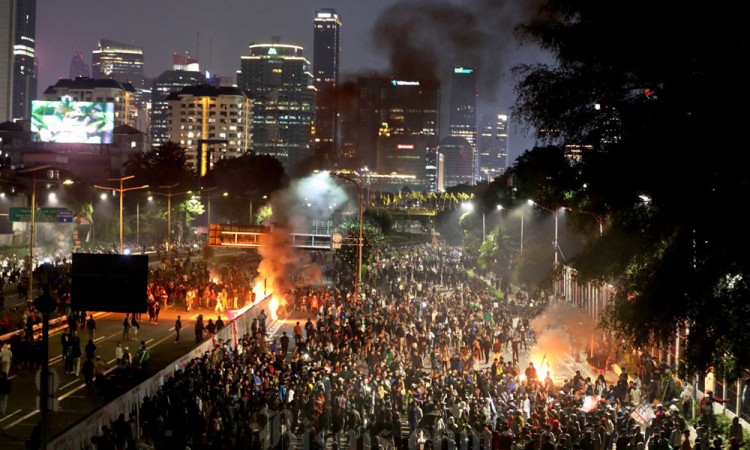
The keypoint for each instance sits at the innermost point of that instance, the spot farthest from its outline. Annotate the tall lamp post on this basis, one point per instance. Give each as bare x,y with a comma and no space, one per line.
360,241
30,270
138,221
121,190
169,194
470,207
554,214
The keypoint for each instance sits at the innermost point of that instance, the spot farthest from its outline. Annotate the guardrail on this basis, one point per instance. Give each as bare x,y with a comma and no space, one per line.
79,436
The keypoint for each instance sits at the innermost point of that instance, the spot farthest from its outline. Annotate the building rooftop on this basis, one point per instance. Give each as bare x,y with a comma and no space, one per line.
89,83
206,90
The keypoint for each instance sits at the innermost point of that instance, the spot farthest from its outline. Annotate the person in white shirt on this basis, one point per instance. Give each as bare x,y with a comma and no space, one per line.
6,357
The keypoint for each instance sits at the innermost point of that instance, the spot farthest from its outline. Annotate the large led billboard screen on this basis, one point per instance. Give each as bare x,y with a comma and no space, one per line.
72,122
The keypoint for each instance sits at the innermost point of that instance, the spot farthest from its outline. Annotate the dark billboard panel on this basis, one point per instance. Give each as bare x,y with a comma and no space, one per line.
72,122
113,283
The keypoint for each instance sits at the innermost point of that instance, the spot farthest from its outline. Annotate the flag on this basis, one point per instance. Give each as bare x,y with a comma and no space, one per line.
643,414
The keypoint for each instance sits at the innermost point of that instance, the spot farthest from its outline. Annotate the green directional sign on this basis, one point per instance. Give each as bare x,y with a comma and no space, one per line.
42,215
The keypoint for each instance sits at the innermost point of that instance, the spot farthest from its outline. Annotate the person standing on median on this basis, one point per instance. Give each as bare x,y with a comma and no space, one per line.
177,328
5,388
126,328
91,327
6,356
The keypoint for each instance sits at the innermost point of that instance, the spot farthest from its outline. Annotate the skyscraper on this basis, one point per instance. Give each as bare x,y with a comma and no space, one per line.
185,72
279,81
24,59
121,62
463,109
492,146
326,48
397,124
458,154
78,67
6,58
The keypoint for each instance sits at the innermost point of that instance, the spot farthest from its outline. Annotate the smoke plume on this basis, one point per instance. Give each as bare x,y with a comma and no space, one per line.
306,201
561,329
425,38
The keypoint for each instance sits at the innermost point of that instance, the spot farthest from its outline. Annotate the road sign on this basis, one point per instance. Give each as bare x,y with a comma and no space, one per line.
42,215
65,216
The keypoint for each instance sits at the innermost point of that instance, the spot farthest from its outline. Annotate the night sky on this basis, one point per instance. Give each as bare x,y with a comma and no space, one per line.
471,32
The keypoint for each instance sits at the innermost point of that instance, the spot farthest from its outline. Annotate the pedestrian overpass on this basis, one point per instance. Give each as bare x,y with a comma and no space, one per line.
316,237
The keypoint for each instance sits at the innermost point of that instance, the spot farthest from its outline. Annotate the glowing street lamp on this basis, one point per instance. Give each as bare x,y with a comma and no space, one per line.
468,206
121,190
33,171
554,214
360,242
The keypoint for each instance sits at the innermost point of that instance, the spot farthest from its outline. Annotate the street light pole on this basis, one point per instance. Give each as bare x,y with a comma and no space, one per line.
484,232
360,242
33,171
169,195
555,215
121,190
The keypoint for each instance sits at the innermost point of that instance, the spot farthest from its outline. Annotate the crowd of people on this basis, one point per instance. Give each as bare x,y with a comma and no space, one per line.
424,357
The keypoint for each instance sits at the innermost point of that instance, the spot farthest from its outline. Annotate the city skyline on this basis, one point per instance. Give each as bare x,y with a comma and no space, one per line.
226,30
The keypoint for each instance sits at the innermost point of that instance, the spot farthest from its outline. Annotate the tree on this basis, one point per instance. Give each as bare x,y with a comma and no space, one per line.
380,218
247,179
346,256
637,103
165,165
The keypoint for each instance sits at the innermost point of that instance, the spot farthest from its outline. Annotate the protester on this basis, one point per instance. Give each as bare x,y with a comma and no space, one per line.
177,328
5,388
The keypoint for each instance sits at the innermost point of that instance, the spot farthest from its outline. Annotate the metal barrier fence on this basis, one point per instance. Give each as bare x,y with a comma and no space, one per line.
595,299
79,436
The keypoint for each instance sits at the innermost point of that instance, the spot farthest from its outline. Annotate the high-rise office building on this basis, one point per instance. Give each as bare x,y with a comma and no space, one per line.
185,72
118,61
458,154
24,59
7,37
78,67
211,123
462,120
492,146
326,49
397,125
279,81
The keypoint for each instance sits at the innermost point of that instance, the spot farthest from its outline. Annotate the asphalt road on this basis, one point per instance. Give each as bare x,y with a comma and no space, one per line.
76,401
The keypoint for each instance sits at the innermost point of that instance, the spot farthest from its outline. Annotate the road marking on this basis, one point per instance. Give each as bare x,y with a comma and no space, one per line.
11,425
12,376
68,394
160,340
99,339
66,385
10,415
